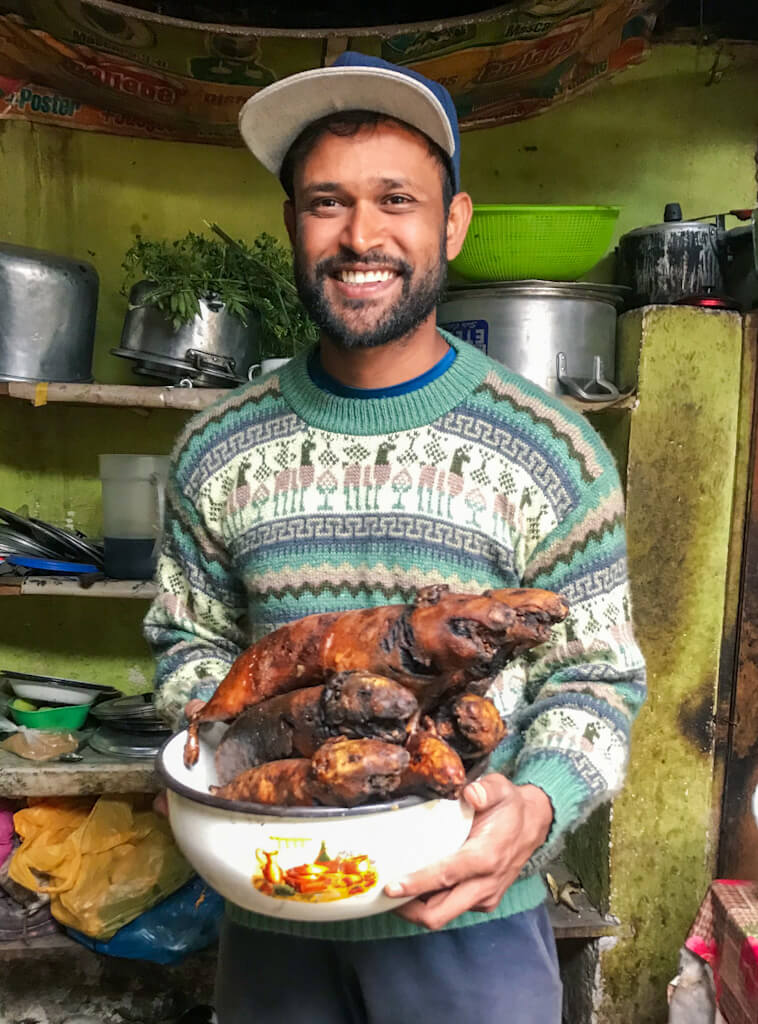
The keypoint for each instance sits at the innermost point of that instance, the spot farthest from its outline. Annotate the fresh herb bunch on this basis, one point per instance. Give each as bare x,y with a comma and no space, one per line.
243,277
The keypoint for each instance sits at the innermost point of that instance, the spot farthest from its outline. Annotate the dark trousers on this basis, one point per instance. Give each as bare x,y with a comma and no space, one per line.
499,972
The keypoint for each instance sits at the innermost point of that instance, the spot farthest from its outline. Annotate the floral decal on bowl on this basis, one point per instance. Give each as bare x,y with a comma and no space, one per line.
322,881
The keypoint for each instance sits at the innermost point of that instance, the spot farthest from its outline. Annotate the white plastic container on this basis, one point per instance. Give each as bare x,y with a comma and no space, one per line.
134,490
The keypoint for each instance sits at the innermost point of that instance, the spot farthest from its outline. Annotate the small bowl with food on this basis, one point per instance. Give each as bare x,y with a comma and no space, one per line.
352,737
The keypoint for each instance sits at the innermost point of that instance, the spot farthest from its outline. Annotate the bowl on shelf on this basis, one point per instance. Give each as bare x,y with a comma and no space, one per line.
303,863
63,719
535,242
53,689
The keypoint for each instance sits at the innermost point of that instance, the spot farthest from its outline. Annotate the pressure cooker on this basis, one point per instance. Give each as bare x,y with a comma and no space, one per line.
673,261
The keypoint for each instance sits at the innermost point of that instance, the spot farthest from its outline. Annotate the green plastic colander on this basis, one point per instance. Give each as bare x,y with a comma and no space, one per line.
550,243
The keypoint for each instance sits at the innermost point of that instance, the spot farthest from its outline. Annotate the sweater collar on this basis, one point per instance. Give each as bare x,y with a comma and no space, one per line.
367,416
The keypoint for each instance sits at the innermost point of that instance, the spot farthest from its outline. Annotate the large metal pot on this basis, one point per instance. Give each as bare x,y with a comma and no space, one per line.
214,350
48,307
678,259
561,336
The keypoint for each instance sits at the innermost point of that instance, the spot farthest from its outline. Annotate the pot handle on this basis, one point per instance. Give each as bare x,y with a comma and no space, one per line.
602,390
251,370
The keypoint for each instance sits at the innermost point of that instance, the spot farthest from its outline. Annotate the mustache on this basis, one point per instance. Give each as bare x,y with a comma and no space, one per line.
343,261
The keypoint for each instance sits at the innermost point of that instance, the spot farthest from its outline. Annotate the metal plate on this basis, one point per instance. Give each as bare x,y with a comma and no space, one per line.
126,745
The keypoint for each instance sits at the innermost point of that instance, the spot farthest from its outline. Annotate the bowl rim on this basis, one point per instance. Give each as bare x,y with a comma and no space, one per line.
274,810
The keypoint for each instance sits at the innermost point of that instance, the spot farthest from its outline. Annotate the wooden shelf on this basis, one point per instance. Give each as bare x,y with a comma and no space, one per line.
190,399
94,774
69,586
115,395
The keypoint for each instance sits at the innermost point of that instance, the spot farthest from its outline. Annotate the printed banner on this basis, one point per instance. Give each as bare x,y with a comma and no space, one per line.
103,66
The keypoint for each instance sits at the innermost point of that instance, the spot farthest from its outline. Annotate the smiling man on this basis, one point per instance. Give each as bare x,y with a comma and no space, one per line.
390,457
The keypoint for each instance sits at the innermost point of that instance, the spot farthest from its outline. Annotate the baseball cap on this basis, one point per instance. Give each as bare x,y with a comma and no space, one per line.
273,118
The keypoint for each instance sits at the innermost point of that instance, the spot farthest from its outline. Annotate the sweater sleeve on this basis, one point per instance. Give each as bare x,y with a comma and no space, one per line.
196,625
582,690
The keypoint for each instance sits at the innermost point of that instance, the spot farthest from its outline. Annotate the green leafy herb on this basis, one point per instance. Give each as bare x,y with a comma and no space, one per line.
243,277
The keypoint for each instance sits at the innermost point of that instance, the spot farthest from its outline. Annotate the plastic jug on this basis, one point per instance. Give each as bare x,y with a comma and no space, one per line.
134,491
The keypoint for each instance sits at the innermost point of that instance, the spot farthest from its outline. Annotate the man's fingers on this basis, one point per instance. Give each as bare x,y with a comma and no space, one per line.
488,790
470,861
160,804
444,906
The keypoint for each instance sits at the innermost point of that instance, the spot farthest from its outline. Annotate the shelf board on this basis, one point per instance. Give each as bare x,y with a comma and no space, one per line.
116,395
94,774
190,399
69,586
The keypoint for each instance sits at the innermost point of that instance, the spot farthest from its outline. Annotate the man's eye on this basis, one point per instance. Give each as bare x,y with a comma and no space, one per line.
325,203
398,200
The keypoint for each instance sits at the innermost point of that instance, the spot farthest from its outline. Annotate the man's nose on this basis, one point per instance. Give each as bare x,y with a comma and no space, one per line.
363,229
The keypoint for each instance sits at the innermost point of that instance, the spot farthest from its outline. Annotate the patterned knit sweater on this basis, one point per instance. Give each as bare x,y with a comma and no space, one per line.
285,500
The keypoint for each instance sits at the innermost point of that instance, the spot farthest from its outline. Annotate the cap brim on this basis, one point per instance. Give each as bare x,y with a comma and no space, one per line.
272,119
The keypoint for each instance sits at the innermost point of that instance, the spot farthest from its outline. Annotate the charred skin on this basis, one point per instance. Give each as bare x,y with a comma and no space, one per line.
352,704
286,783
351,772
290,725
470,724
440,644
434,768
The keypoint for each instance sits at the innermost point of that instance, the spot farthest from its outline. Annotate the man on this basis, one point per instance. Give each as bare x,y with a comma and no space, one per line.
391,457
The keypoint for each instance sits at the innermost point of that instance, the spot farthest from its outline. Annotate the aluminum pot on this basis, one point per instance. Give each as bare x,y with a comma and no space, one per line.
214,350
678,259
48,307
560,335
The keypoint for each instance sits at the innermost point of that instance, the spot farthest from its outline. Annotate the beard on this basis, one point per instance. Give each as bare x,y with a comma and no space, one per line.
418,298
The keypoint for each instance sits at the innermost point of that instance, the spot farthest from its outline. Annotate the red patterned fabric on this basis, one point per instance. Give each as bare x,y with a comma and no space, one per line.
725,935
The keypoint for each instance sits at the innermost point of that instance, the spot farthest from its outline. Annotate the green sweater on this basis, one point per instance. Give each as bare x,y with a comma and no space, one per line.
285,500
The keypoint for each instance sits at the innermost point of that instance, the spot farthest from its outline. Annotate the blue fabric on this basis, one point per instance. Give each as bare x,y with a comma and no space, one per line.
499,972
353,59
326,382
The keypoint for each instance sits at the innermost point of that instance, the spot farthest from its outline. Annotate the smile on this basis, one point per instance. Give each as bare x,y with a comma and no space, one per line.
365,276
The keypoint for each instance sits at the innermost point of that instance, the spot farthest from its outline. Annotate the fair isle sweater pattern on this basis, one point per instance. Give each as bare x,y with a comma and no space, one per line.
286,501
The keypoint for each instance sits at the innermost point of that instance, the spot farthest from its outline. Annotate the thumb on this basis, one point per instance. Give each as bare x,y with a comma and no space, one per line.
487,791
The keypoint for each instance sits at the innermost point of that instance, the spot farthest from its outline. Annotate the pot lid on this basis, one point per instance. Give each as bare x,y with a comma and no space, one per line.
613,294
673,222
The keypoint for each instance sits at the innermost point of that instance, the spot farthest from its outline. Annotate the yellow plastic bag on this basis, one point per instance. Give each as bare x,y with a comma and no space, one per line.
102,865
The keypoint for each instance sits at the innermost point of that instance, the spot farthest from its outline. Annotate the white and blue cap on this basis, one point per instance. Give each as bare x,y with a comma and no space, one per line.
272,119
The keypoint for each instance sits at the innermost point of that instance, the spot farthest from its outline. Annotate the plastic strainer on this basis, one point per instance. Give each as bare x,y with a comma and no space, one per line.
550,243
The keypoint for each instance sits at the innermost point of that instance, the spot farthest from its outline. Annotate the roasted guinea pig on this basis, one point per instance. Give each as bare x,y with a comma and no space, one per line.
440,643
358,705
350,772
286,783
434,768
470,724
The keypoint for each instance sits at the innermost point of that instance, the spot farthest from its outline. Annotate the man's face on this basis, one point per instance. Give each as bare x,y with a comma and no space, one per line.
369,234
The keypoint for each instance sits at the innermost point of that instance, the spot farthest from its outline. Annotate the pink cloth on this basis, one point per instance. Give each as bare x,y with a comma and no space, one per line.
6,831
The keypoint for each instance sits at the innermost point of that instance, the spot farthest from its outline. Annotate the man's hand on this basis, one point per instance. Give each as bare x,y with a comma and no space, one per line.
510,823
160,803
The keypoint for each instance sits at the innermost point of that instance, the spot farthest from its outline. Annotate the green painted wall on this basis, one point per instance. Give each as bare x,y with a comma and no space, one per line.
663,844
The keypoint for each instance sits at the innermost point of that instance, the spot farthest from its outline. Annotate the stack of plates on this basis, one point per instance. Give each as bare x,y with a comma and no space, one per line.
129,727
33,544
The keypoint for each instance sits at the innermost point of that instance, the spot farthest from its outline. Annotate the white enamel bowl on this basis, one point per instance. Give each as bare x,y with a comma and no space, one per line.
303,863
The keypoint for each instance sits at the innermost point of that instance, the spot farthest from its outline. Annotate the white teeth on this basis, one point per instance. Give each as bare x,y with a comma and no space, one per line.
365,276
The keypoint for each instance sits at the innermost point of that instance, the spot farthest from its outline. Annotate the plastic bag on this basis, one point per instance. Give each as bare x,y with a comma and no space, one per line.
40,744
102,865
182,924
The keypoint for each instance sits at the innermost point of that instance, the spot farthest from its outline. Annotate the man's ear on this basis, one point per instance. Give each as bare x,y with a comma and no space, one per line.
458,220
289,220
